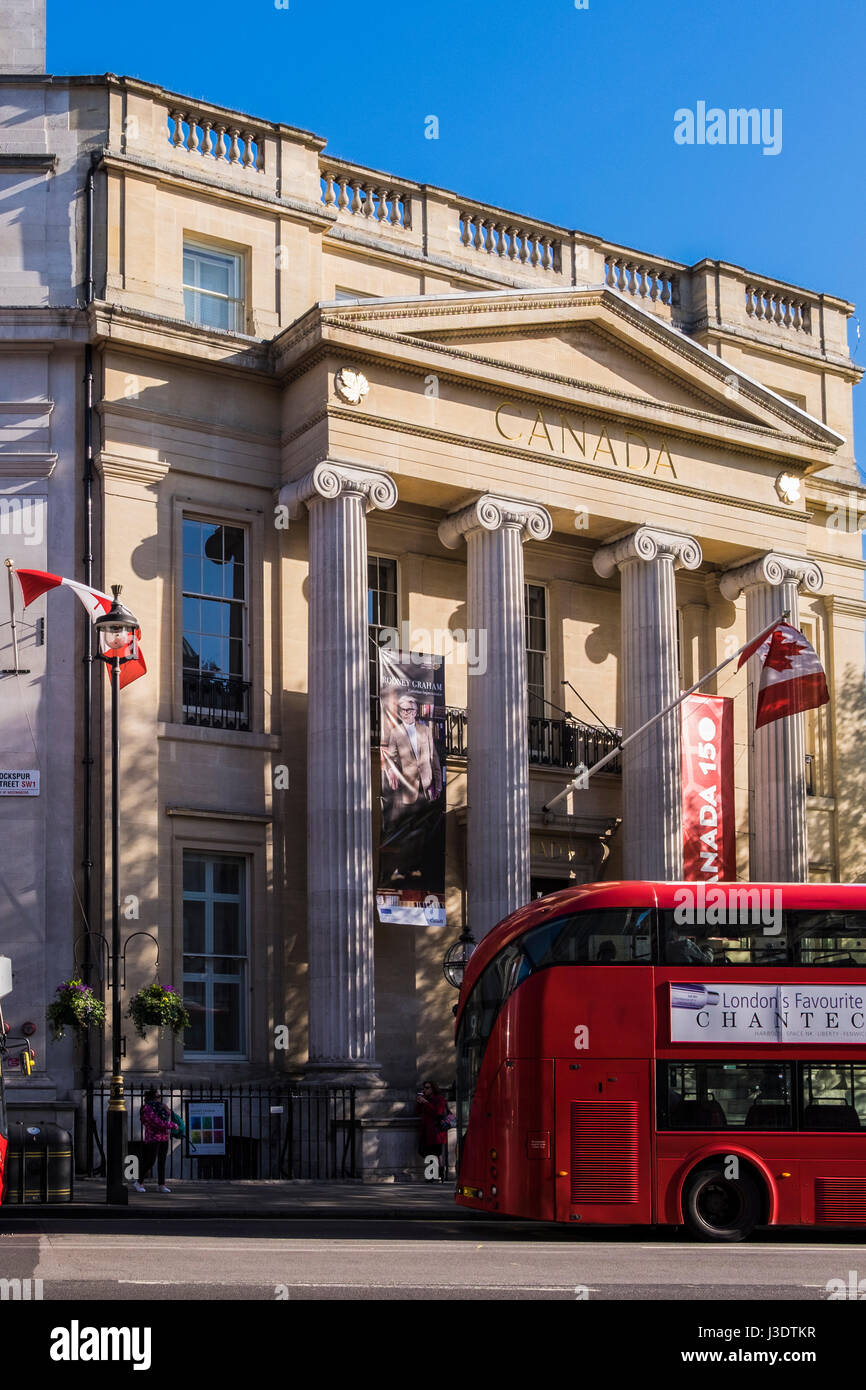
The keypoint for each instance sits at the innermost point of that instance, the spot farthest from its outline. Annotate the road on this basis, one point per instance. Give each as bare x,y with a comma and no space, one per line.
366,1259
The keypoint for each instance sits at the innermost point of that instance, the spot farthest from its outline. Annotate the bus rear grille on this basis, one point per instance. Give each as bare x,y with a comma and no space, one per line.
840,1201
604,1149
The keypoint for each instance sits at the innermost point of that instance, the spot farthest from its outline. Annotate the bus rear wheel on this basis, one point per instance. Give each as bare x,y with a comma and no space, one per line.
720,1208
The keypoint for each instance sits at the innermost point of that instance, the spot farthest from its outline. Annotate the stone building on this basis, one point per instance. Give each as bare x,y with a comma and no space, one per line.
327,398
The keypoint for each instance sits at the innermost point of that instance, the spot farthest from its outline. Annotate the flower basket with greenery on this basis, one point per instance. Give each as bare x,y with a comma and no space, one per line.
75,1007
155,1007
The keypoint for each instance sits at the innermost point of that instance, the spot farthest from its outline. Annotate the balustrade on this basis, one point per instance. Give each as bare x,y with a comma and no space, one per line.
509,241
214,139
375,200
641,279
770,305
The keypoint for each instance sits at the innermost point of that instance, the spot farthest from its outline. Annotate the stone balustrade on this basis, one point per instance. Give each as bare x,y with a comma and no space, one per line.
370,197
770,304
520,243
655,282
213,138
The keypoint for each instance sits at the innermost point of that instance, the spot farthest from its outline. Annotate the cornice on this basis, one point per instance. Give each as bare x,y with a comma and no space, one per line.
144,471
849,607
26,465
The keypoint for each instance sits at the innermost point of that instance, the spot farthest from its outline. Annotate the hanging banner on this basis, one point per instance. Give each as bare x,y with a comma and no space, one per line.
411,882
709,831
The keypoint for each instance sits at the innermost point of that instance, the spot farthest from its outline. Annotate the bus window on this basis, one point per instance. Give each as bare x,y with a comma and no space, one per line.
828,938
724,1095
609,936
834,1095
743,943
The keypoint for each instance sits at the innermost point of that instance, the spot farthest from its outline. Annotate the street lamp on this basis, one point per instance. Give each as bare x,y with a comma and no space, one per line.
118,643
456,958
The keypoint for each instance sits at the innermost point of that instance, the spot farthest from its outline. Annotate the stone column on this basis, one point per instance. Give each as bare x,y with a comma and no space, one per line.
778,847
651,778
494,529
339,823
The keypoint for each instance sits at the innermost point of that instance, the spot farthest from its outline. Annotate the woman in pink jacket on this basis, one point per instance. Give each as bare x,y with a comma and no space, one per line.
156,1129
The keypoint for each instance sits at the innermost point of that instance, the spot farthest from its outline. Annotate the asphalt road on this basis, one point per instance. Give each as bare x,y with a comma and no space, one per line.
366,1259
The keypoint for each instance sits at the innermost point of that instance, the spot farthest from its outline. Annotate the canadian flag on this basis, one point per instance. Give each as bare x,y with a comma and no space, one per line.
35,583
792,678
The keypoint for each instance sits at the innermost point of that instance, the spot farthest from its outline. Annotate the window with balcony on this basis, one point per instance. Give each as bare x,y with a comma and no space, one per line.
215,954
535,622
381,610
215,686
213,288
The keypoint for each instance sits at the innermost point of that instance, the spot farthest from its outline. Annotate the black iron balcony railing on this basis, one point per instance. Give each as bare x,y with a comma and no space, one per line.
563,743
216,702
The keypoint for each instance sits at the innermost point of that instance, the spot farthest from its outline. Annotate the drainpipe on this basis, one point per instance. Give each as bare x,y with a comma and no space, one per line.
87,758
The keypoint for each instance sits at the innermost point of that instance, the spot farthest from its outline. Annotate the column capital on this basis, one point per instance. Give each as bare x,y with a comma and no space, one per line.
331,480
772,569
490,512
648,543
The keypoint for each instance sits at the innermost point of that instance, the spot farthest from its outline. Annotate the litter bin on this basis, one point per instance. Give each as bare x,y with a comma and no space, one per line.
38,1164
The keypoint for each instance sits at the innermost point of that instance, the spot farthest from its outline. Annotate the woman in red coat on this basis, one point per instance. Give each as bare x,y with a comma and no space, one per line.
432,1106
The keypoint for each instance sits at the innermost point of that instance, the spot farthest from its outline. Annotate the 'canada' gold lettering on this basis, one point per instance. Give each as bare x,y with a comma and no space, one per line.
609,450
506,405
664,450
636,467
539,420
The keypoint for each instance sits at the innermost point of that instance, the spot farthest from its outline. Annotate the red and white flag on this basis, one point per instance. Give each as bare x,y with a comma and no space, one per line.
35,583
792,679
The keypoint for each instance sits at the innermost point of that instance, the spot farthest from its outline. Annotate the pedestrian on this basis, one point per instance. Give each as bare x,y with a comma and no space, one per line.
156,1130
432,1107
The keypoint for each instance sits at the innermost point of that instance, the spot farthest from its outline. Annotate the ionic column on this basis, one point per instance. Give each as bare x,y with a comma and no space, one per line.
494,529
339,824
778,845
651,779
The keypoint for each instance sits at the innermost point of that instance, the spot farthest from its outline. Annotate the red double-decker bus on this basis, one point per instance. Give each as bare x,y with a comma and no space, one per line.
670,1054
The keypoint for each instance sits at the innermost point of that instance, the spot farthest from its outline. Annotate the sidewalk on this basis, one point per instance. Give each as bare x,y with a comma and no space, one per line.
299,1200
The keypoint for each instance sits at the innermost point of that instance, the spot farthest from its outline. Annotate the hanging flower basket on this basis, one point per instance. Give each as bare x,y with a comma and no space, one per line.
155,1007
75,1007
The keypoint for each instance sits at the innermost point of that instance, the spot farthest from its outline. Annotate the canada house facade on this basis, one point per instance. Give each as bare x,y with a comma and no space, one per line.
324,405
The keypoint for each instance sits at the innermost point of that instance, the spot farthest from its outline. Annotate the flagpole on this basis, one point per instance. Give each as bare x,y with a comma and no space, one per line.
9,568
609,757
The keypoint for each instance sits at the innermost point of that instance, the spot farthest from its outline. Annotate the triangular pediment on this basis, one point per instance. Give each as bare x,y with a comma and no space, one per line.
585,349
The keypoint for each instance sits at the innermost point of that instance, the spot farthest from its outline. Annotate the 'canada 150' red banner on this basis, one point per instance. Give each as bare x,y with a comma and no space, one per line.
709,839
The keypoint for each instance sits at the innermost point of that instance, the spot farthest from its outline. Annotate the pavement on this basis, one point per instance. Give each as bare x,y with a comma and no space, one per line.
298,1199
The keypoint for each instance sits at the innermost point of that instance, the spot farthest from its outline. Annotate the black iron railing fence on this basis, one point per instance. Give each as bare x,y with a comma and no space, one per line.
563,743
277,1131
216,702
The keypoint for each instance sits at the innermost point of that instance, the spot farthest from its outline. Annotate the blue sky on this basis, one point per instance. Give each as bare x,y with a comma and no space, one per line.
564,114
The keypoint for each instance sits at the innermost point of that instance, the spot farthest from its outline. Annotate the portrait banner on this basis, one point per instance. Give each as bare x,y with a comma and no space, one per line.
709,832
410,888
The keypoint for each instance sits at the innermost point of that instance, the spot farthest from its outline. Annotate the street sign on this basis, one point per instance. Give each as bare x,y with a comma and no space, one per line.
14,782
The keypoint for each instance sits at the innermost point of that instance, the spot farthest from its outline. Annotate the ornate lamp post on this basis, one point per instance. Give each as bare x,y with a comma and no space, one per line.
116,634
456,957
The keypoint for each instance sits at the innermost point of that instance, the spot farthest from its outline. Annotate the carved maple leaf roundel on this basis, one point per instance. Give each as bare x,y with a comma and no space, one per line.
351,386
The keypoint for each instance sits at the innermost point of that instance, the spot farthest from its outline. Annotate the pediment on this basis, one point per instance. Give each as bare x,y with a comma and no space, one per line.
586,348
